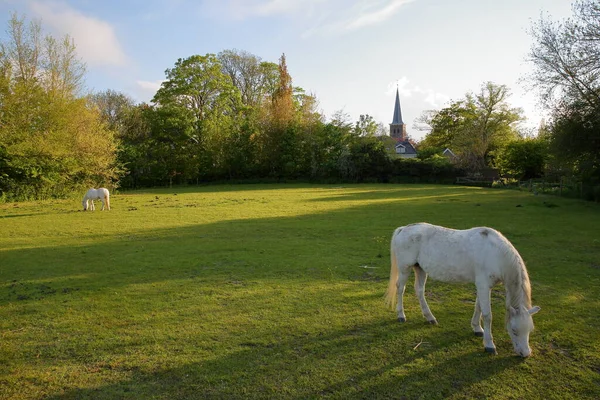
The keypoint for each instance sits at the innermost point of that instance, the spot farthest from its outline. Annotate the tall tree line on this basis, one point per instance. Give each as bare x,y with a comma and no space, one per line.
566,59
233,116
226,116
484,130
51,140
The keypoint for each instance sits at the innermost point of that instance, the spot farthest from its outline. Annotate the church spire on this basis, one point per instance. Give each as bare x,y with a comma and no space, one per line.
398,127
397,111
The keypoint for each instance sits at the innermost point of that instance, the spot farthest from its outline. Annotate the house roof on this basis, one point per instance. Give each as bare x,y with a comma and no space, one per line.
449,153
408,147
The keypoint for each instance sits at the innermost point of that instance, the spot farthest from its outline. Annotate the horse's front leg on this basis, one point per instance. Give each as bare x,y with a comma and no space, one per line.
485,304
92,207
403,275
420,279
476,320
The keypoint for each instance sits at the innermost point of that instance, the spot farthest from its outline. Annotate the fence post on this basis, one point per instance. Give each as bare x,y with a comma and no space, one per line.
561,185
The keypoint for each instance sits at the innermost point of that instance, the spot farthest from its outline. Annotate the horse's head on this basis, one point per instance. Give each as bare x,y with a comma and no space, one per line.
519,325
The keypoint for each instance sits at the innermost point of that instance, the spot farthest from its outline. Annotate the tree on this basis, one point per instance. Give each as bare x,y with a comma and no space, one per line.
446,124
475,127
524,159
575,140
33,60
566,60
494,126
51,140
365,126
197,84
201,103
114,108
254,78
566,56
282,100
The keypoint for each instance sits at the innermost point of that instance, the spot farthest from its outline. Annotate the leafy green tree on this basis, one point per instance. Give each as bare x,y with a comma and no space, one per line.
254,78
566,56
365,126
476,127
51,140
575,140
524,159
365,160
114,108
198,85
566,59
203,103
447,124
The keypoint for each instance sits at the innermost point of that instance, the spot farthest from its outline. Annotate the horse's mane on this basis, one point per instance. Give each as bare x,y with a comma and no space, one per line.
516,279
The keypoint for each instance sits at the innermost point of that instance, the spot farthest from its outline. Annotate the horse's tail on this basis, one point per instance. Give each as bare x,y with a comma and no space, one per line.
392,290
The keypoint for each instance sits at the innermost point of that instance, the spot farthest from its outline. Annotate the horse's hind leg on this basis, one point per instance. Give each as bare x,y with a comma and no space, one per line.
403,275
476,320
420,279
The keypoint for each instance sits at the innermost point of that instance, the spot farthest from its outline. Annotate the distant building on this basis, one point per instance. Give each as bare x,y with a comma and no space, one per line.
449,154
404,147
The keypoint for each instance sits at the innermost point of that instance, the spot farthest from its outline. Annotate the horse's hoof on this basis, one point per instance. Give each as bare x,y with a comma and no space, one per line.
479,334
401,319
432,322
491,350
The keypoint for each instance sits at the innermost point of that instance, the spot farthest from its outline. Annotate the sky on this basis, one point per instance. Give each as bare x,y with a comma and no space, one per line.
351,54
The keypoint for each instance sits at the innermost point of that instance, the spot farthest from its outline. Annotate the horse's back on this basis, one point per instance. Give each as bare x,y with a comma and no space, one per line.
449,254
98,193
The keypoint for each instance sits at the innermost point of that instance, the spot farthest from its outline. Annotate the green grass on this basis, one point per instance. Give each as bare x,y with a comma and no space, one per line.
275,291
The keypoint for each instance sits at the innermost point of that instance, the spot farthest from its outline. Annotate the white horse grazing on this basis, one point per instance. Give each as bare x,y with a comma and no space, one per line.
96,194
480,255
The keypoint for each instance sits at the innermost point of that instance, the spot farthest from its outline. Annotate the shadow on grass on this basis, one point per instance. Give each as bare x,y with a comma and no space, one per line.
333,365
334,243
325,247
403,193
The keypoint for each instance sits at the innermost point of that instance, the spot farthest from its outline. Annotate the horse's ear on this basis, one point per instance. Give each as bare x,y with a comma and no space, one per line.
513,311
534,310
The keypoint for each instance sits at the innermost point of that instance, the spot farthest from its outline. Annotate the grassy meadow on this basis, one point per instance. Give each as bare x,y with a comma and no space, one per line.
275,291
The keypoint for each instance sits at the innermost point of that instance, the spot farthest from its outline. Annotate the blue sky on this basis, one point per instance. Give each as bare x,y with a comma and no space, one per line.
351,54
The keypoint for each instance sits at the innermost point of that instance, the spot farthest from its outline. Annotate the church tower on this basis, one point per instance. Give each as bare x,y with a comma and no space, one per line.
398,127
404,146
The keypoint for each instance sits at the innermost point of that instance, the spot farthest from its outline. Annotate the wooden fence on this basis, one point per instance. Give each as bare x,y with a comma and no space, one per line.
563,187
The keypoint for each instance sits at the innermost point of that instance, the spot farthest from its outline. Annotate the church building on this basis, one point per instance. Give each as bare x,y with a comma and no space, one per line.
404,147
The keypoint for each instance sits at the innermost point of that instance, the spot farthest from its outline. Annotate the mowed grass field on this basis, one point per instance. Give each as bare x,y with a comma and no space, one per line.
275,291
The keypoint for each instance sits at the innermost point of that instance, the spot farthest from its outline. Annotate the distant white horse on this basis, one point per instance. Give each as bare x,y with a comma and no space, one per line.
480,255
96,194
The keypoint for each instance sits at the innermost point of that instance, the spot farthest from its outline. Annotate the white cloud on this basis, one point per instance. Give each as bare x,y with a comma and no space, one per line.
96,40
366,14
328,16
146,90
245,9
149,85
428,95
402,86
346,17
436,99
